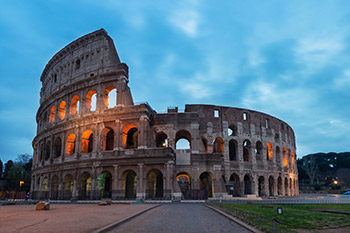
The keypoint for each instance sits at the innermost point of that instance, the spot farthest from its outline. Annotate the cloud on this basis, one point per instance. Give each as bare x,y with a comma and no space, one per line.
343,82
187,21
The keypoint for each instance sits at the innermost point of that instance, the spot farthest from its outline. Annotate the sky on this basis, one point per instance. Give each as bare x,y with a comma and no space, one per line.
290,59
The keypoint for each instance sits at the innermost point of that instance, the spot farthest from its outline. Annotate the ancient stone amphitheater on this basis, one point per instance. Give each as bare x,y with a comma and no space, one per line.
93,142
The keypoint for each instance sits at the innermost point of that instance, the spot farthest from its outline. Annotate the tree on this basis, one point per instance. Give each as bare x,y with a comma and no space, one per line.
310,166
8,166
22,159
1,168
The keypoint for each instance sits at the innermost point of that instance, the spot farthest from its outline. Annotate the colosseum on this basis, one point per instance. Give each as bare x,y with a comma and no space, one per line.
93,142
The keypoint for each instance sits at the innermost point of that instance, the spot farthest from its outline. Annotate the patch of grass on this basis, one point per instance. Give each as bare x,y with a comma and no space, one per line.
296,216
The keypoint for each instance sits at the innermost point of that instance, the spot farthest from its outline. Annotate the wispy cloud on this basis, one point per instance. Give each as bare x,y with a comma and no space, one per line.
187,21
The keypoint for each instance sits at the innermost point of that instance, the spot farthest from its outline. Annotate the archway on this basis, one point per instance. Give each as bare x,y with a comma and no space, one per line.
233,150
279,185
286,191
247,185
261,190
85,186
105,184
246,149
107,138
206,185
271,186
184,182
130,137
161,140
45,188
130,181
154,184
68,187
70,144
54,188
234,179
87,139
218,146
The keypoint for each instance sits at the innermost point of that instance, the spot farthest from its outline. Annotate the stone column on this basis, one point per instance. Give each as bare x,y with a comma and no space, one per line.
118,136
115,182
60,187
140,192
143,132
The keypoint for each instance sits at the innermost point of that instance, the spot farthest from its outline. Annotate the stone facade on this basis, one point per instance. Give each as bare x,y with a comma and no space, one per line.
91,144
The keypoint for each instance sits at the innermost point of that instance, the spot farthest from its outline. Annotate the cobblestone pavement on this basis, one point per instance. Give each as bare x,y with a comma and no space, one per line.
180,218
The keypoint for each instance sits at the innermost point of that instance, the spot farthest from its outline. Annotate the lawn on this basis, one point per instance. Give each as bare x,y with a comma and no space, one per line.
296,216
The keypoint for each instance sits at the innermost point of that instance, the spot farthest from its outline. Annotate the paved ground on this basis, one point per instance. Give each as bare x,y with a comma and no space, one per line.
63,217
180,218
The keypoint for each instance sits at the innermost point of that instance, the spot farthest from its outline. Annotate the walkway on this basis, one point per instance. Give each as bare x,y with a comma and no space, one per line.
180,218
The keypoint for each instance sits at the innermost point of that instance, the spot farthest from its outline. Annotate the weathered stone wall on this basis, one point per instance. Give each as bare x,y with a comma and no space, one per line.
130,151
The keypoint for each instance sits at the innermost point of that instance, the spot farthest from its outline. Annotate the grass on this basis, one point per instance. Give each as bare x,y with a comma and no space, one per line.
296,216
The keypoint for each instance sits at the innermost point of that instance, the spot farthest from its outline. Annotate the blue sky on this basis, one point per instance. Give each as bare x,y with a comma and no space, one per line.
290,59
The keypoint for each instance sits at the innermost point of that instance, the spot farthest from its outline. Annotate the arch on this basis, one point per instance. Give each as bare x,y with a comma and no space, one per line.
293,159
87,139
289,157
286,191
247,184
45,185
184,181
70,144
67,187
246,149
269,155
58,147
290,187
54,188
161,140
206,185
129,180
47,150
233,150
85,186
154,184
234,179
258,150
279,186
261,186
284,154
110,97
52,115
130,136
90,100
232,130
74,105
183,140
107,137
218,146
104,184
271,186
62,110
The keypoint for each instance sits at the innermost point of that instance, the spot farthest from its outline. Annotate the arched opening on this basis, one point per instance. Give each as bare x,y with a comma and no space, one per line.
74,105
52,115
285,161
233,150
218,146
47,150
90,100
183,140
105,184
45,188
293,159
161,140
271,186
234,179
154,184
269,155
278,156
62,110
261,186
57,147
246,149
290,187
70,145
286,187
289,157
107,139
67,187
87,139
54,188
258,150
247,185
205,144
130,137
279,186
206,185
130,181
110,97
231,131
184,182
85,186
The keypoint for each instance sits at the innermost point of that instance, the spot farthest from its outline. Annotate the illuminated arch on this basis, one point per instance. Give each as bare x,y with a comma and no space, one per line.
107,137
130,136
52,115
74,105
269,151
70,144
284,155
218,146
87,141
110,97
90,100
62,110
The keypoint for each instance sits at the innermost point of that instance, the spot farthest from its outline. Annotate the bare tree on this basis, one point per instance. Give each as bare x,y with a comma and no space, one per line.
310,166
